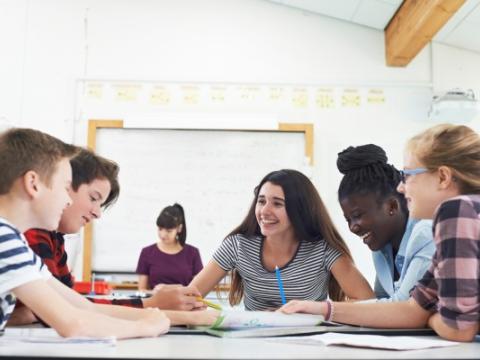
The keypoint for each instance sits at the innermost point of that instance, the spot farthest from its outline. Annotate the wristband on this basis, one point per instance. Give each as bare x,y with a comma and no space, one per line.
328,314
330,310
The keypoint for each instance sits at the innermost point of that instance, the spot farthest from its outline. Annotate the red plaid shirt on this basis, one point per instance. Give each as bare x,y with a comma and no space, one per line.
49,245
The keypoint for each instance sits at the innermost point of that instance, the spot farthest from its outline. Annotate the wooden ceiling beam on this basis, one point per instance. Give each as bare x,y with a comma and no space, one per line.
414,25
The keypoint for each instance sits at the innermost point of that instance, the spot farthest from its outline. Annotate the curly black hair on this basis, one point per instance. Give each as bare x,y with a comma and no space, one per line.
367,171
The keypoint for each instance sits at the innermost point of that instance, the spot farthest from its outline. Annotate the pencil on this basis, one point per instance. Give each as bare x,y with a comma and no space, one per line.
280,285
209,303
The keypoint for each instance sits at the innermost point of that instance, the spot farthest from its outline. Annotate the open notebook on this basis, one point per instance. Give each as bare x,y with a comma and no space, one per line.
242,324
231,319
239,323
262,324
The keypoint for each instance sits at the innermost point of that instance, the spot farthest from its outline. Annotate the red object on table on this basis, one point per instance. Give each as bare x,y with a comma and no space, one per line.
85,287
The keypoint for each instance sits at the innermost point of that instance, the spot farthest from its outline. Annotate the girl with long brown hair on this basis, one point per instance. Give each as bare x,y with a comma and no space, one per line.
287,226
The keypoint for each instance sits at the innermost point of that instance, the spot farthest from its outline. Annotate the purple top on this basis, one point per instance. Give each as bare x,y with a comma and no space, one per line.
163,268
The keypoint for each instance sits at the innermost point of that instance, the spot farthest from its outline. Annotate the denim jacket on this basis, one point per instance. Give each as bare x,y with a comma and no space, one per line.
412,261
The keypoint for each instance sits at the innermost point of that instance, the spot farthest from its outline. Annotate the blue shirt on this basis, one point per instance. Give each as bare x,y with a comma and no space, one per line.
412,261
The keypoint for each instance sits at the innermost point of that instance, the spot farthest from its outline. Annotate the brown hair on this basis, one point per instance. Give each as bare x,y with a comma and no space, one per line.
23,150
88,166
309,218
455,146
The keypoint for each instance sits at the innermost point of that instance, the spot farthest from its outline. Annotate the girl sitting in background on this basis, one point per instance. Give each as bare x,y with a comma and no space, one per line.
170,260
402,247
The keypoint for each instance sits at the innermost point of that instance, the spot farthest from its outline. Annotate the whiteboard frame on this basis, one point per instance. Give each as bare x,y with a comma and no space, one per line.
95,124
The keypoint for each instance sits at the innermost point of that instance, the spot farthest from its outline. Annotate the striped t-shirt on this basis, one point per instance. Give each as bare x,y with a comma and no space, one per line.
18,265
305,277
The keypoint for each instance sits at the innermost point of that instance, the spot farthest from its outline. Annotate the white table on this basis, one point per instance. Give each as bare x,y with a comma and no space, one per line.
208,347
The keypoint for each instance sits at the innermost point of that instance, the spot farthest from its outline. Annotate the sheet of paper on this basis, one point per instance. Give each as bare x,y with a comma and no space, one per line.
252,319
371,341
48,336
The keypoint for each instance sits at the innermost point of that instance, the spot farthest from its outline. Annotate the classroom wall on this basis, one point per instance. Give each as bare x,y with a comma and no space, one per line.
453,67
49,45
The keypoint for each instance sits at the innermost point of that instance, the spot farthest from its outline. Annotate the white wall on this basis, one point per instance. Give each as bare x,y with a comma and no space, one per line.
48,45
453,67
12,34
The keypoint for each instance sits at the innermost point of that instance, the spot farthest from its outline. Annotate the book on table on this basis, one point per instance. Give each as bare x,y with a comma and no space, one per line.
263,324
242,324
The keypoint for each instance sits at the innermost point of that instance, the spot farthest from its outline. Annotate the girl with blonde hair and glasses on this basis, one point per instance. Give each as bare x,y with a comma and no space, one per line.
441,181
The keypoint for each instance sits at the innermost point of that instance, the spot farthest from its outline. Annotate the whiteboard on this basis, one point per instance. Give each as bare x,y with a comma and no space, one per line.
211,173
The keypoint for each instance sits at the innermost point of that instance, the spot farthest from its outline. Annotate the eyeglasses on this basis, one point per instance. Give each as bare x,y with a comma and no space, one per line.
405,174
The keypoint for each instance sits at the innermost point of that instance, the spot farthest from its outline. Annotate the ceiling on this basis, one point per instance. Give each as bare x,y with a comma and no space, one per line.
459,31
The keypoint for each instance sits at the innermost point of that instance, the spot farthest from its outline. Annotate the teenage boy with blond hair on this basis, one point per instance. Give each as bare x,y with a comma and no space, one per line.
34,191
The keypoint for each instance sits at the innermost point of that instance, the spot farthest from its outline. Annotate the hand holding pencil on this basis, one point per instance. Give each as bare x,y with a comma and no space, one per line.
175,298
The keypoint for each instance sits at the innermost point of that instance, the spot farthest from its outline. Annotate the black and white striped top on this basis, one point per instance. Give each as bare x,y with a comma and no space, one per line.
18,266
305,277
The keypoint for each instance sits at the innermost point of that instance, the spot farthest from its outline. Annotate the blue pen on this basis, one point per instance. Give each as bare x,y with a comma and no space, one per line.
280,285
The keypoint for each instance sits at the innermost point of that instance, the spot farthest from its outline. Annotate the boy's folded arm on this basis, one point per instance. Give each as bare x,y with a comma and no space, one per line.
68,319
50,306
70,295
